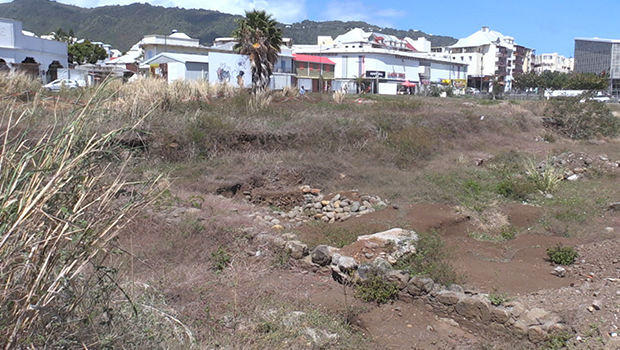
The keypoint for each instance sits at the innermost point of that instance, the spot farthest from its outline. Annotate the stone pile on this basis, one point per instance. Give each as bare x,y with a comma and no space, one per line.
579,165
327,208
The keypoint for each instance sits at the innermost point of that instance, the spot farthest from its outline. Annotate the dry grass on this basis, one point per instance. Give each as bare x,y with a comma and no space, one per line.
60,207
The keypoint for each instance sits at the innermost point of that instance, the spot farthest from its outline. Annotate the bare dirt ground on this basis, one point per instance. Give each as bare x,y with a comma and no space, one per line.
587,298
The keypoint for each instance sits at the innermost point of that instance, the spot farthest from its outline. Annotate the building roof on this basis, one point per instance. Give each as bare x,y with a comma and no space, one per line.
484,37
178,57
613,41
312,59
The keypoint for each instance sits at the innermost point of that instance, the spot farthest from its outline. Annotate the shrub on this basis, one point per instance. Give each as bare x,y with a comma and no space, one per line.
581,120
375,288
429,260
498,299
221,259
545,177
562,255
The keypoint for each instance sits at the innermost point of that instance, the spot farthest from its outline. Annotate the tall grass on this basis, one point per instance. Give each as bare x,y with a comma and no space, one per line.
61,203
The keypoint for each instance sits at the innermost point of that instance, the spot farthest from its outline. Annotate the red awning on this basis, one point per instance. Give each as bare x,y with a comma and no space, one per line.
408,84
313,59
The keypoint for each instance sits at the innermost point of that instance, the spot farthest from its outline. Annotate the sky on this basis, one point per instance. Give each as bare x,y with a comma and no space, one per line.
547,26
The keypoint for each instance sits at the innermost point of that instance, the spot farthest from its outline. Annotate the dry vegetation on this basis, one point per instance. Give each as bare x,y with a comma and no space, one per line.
76,167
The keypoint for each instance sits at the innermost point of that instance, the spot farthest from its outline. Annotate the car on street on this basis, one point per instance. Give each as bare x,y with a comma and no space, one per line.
59,84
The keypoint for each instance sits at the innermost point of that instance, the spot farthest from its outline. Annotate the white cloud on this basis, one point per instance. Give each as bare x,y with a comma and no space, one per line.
359,11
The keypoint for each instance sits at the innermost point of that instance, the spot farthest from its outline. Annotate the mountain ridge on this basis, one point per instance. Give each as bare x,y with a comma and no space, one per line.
124,25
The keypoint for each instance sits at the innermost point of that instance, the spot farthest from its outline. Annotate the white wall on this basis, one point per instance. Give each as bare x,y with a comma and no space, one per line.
229,65
176,71
15,47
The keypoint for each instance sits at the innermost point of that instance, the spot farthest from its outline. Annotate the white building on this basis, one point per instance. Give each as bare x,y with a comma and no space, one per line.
23,51
177,66
489,53
155,44
553,62
384,62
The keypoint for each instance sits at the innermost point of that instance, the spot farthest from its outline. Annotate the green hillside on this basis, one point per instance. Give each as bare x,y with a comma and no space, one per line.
123,26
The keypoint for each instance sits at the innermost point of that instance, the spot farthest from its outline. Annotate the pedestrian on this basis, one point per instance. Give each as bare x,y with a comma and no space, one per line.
302,91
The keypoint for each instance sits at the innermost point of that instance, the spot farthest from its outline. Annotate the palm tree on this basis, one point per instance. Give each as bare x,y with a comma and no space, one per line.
258,37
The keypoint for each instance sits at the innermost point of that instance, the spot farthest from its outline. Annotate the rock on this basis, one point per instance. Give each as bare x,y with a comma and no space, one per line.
398,277
296,249
615,206
447,298
320,338
292,319
277,227
419,286
322,255
473,308
536,334
347,264
363,270
355,207
559,271
573,177
597,304
499,315
403,240
535,316
520,327
272,240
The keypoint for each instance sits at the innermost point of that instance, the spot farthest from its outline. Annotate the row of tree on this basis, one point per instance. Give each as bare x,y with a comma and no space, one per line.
561,81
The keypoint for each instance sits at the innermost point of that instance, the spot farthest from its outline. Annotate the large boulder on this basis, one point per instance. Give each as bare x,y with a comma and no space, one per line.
420,286
322,255
474,308
296,249
402,240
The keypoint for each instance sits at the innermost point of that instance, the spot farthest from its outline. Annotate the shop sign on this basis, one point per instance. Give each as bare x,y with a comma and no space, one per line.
375,74
395,75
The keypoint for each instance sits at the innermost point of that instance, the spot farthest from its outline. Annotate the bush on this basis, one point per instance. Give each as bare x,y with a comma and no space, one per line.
581,120
375,288
498,299
562,255
429,260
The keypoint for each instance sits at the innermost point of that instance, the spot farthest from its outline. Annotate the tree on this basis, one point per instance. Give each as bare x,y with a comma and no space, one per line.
62,36
86,52
258,37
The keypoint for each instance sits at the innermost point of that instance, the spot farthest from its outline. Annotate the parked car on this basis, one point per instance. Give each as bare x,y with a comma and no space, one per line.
472,91
58,84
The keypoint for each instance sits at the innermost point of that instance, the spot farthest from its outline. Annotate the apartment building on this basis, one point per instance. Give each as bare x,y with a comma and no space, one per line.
552,62
383,63
489,53
599,56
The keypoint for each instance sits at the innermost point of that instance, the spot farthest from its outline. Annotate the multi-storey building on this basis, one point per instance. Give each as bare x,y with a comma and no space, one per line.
599,56
552,62
489,53
383,62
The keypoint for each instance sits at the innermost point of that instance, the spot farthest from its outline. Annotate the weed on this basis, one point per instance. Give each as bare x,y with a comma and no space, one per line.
221,258
430,260
562,255
376,289
281,259
545,177
498,299
557,341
